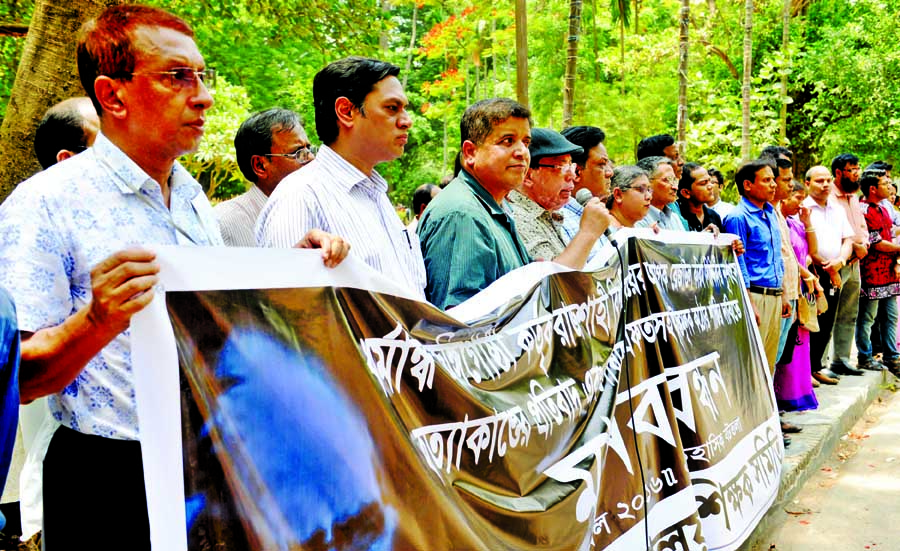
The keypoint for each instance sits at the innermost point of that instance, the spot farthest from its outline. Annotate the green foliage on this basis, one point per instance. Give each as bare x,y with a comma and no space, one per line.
214,164
849,76
843,71
11,47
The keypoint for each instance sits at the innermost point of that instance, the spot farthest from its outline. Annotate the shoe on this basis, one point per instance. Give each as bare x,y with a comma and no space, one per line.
823,378
871,365
843,368
814,382
788,428
829,373
786,440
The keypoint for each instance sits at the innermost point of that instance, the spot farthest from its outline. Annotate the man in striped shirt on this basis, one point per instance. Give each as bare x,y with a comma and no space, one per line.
268,146
361,119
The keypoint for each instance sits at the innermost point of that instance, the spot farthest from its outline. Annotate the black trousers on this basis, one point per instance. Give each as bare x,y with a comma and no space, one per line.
94,494
818,342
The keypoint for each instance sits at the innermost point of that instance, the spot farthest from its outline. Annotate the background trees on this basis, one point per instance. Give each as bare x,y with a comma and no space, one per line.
837,60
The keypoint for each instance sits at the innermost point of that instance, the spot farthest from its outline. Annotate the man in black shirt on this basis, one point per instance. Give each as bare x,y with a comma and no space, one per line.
695,189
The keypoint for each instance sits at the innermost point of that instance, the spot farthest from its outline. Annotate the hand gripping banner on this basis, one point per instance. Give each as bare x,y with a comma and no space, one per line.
286,406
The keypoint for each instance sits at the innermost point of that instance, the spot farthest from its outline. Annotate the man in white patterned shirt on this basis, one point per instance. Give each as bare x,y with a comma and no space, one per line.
361,119
268,146
71,254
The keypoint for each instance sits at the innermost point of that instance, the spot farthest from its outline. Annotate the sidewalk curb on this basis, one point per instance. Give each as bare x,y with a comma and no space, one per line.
840,407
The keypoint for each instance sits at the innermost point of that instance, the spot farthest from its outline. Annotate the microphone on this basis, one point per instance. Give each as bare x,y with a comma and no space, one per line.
584,195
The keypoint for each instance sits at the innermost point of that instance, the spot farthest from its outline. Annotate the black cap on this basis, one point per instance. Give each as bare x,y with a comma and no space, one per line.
549,143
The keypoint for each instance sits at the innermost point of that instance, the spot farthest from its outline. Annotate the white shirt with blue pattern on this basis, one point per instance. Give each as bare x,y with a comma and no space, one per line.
571,223
56,226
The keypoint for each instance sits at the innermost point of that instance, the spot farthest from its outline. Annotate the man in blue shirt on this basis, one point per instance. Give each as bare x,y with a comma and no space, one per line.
753,220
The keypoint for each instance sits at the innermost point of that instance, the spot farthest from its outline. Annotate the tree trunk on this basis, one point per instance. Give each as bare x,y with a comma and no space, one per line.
637,11
622,51
412,43
745,89
444,142
785,44
477,79
383,40
466,80
46,75
595,63
493,56
522,52
571,62
682,73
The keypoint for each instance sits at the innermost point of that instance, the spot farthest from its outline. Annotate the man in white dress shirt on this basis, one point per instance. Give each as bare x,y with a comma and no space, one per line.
361,119
268,146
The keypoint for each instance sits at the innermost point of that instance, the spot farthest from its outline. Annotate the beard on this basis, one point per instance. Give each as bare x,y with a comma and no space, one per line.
849,186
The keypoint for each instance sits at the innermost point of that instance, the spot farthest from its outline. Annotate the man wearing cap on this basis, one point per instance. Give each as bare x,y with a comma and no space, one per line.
548,185
468,238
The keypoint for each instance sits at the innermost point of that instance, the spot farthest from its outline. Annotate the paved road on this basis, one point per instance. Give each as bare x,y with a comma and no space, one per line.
853,502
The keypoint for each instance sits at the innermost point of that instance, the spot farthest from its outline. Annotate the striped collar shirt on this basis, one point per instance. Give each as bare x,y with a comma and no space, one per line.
237,217
571,223
332,195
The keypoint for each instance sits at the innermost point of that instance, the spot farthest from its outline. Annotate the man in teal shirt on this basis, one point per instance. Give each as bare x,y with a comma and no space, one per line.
468,238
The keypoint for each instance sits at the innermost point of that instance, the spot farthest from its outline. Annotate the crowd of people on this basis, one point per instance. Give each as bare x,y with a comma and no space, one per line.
76,239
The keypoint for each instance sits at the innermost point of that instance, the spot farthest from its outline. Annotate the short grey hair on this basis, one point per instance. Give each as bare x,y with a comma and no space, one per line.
650,165
623,178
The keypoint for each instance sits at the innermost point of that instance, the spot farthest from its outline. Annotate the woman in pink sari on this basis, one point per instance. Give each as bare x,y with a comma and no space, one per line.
793,386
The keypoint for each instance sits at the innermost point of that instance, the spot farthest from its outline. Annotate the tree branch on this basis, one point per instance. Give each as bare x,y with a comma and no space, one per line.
722,55
13,29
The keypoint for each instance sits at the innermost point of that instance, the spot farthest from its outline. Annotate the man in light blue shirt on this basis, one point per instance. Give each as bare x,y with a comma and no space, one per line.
593,171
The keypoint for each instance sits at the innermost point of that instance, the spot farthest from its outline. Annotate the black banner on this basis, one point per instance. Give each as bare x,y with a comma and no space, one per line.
616,409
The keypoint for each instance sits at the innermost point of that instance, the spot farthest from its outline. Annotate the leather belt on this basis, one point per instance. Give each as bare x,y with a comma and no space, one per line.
768,291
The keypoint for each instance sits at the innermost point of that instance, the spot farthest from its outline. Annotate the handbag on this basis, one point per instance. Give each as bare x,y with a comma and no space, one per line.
821,302
808,311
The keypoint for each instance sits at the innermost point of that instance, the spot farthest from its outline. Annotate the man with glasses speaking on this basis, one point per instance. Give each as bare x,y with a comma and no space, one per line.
269,145
549,184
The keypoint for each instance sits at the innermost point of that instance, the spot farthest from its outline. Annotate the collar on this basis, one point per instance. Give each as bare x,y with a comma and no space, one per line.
810,202
131,178
766,208
486,199
344,175
256,194
525,204
840,194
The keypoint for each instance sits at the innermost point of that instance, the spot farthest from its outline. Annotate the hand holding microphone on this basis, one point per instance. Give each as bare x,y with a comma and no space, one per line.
595,218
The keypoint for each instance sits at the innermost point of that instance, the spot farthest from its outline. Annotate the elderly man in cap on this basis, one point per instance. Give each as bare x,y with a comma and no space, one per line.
549,184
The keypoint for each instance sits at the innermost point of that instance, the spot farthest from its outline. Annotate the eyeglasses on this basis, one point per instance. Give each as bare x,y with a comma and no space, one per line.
180,77
643,189
669,181
560,168
306,154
